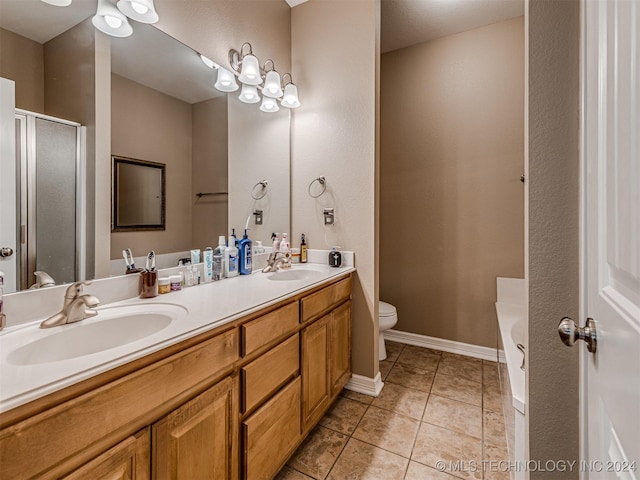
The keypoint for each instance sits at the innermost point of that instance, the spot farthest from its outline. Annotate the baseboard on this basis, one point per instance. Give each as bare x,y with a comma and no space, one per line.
444,345
368,386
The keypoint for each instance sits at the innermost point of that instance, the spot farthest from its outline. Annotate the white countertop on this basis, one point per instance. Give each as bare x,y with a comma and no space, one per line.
208,306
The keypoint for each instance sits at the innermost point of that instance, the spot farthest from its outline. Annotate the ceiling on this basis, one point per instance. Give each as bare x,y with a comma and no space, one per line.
409,22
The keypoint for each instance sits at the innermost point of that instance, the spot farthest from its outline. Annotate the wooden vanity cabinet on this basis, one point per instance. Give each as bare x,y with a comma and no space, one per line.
231,403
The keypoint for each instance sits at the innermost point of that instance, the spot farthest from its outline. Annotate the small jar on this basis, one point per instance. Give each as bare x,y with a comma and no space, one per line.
176,282
164,285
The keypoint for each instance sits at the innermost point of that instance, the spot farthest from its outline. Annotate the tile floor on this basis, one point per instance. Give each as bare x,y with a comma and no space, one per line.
434,407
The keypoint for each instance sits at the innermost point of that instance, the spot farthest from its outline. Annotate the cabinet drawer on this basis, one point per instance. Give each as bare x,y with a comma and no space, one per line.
269,372
325,299
271,434
268,328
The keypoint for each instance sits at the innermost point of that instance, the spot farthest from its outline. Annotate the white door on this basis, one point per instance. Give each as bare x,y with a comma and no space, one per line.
610,377
8,222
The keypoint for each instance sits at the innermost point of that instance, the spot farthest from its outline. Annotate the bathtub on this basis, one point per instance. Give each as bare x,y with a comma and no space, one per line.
512,314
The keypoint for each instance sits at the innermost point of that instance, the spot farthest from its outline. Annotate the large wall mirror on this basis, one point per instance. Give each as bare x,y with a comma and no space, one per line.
163,108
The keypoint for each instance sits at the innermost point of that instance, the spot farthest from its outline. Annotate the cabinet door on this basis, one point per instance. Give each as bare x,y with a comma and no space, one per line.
315,371
340,348
199,440
128,460
271,434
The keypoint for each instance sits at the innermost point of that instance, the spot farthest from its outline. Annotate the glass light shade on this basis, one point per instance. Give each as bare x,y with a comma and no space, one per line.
207,61
226,82
139,10
250,73
58,3
290,99
108,19
249,94
269,105
272,86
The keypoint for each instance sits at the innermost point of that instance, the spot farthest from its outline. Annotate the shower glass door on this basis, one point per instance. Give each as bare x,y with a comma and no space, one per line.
49,162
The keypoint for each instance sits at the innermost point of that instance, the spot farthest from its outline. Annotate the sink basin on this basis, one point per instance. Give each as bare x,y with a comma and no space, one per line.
111,328
294,274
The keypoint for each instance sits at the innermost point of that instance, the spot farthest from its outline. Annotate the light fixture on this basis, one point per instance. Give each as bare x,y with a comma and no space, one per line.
245,65
269,105
58,3
108,19
290,96
207,61
248,64
249,94
272,87
139,10
226,81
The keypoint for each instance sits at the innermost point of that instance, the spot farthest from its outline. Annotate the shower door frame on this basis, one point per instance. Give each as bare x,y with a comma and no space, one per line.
26,204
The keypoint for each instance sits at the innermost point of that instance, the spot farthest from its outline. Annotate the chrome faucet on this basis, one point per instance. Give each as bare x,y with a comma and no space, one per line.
76,307
274,262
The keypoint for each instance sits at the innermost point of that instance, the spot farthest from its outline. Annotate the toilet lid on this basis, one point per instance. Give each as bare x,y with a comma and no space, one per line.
386,309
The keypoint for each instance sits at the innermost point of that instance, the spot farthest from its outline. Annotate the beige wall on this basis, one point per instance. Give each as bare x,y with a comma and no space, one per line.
210,171
553,229
22,60
149,125
335,50
452,204
214,27
259,150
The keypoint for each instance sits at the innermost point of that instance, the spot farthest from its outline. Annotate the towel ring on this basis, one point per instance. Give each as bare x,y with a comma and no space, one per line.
322,181
263,184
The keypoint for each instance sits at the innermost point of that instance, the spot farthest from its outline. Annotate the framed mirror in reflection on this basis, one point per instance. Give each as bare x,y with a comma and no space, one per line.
138,195
163,107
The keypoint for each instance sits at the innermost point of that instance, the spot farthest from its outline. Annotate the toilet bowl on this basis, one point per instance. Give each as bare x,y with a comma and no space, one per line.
387,318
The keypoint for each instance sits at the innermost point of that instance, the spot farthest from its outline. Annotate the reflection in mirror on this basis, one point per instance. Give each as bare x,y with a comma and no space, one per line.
138,195
164,108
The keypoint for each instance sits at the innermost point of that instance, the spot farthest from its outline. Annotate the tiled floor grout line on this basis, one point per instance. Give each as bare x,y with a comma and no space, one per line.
387,407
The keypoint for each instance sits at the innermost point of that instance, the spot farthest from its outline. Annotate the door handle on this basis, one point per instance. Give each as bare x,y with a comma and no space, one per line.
6,252
570,333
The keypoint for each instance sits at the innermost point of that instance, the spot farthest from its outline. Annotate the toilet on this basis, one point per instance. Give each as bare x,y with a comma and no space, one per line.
387,318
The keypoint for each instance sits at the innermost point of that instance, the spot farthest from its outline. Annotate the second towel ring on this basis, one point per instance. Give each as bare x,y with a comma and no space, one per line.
263,184
322,181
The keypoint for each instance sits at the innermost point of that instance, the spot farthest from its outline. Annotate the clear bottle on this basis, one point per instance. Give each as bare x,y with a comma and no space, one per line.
231,259
196,275
219,250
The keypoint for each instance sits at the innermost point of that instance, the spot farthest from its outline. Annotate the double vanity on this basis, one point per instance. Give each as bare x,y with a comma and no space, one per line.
219,381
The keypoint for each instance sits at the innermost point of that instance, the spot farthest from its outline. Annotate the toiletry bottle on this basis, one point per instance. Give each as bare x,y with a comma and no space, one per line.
258,249
285,248
235,239
208,264
231,259
303,249
245,254
335,257
196,274
219,250
276,242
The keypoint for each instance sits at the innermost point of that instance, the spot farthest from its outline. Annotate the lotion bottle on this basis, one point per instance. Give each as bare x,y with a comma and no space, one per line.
245,254
231,259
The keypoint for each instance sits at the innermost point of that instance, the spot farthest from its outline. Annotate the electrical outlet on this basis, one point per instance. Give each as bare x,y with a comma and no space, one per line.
258,215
